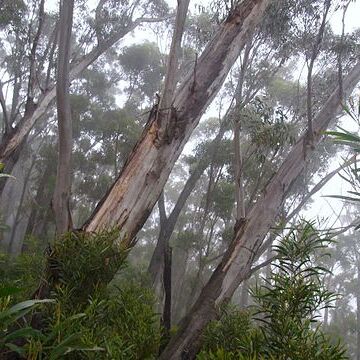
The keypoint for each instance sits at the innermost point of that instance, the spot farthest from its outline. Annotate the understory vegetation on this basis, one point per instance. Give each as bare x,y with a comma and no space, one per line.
98,307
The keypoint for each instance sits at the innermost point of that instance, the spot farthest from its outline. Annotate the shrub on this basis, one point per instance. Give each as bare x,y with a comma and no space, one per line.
89,319
286,311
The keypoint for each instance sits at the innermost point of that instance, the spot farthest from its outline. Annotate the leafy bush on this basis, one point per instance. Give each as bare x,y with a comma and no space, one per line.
232,337
13,322
24,271
290,301
120,326
233,332
124,325
286,311
89,319
82,264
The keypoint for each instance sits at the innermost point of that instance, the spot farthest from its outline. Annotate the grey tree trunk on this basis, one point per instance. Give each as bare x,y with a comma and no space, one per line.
167,289
61,199
21,218
161,262
238,166
180,261
10,201
248,236
41,201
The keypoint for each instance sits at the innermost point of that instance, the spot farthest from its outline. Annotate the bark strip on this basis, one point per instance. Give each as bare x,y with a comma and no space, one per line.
130,200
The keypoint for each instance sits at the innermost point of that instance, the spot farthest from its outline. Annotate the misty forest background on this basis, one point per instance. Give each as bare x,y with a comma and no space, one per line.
161,165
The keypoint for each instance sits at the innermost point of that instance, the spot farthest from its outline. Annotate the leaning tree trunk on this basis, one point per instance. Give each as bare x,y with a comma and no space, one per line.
167,227
249,233
130,200
61,199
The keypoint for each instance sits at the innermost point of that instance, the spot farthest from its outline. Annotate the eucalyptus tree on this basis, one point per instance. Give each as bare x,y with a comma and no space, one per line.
278,132
149,165
61,198
103,134
130,200
29,28
258,51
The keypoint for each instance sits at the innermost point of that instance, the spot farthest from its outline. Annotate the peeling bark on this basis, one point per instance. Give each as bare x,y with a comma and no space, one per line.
161,262
131,198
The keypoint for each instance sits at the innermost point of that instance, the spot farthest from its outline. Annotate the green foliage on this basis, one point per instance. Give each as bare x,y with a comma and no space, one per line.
82,264
11,13
120,325
347,138
287,307
24,271
233,333
267,126
120,319
124,325
143,67
223,199
352,172
88,319
289,302
201,27
13,321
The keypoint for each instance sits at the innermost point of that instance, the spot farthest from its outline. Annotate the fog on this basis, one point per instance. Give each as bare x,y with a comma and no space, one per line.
179,179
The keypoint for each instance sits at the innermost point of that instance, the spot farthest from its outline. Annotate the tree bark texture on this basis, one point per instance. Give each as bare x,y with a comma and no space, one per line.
130,200
61,199
237,261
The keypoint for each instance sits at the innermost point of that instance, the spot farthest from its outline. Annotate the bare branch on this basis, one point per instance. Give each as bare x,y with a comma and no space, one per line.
261,265
319,186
